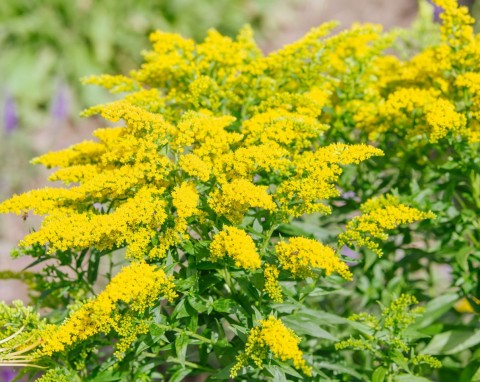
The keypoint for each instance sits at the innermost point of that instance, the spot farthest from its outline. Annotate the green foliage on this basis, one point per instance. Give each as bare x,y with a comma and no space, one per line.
389,342
210,235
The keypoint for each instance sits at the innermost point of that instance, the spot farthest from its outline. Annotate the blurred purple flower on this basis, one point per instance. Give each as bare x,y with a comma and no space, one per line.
345,251
10,114
60,104
7,375
348,195
436,11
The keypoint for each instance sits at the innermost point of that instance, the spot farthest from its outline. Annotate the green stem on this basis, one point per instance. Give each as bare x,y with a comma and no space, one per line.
228,280
192,365
268,236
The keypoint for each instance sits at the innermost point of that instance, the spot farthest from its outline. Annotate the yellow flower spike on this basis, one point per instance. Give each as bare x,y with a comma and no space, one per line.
271,336
185,200
346,154
315,175
272,288
115,84
81,153
236,244
245,162
300,256
380,215
66,228
237,196
40,201
456,28
442,118
290,130
138,285
196,167
207,134
74,174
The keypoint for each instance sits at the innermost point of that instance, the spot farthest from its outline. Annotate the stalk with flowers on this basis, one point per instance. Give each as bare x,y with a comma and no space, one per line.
180,243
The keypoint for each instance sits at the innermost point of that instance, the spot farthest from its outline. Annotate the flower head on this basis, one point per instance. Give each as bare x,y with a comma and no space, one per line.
301,256
236,244
271,336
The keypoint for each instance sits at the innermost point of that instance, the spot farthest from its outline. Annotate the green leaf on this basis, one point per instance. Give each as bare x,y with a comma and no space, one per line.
341,369
197,304
180,311
258,314
239,331
436,308
222,374
93,264
409,378
277,373
180,375
452,342
189,247
186,284
105,376
468,373
476,376
302,326
192,323
398,357
181,344
379,374
291,230
450,165
462,257
287,369
223,305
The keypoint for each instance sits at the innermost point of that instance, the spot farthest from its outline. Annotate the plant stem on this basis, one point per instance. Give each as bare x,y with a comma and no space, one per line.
268,236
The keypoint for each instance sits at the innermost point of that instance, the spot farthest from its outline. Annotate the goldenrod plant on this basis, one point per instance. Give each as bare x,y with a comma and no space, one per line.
423,112
228,225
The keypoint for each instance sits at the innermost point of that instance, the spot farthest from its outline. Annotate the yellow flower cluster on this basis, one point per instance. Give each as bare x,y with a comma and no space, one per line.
394,315
235,243
185,200
129,328
256,149
237,196
215,134
380,215
245,162
313,178
272,288
432,95
456,23
66,227
271,336
195,166
300,256
291,130
138,285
